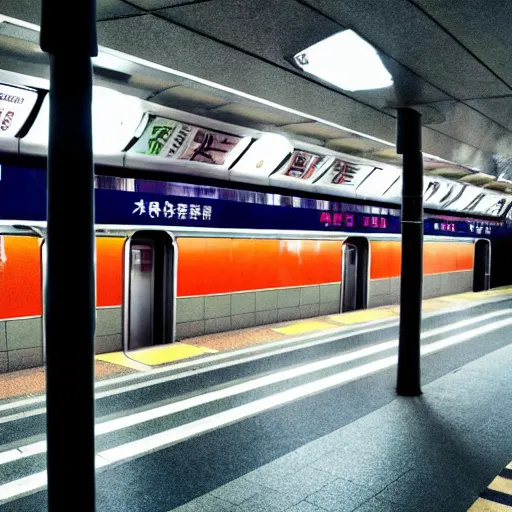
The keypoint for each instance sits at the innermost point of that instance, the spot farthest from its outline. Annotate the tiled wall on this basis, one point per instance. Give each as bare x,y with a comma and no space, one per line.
109,328
387,291
21,344
21,340
216,313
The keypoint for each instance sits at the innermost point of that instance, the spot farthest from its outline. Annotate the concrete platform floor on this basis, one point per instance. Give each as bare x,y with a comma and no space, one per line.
32,382
144,359
310,423
434,452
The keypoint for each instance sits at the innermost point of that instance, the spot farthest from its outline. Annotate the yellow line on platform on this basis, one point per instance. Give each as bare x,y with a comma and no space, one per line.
482,505
366,315
502,485
120,359
433,305
463,297
155,355
303,327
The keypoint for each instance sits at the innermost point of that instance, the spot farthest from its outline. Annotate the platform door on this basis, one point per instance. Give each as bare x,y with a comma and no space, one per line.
349,278
482,270
141,294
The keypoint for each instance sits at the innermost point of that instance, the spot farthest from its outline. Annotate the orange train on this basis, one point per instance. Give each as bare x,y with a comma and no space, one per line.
159,285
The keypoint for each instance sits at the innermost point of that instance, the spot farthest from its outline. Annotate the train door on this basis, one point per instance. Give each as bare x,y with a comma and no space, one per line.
349,278
354,279
482,268
149,290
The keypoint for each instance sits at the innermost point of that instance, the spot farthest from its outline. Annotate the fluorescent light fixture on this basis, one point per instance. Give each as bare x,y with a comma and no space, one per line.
346,61
109,52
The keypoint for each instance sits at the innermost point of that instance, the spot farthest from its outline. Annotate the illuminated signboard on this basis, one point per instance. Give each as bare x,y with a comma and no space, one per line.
166,138
374,222
352,220
343,172
345,220
302,165
168,210
480,229
445,226
451,226
16,104
209,147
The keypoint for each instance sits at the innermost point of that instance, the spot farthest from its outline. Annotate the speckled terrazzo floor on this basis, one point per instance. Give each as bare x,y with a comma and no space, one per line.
32,381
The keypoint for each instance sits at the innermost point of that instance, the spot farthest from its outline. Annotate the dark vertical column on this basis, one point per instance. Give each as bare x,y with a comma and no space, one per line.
70,289
411,282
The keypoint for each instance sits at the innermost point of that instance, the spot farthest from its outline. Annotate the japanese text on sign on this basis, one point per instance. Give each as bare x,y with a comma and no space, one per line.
168,210
337,219
479,230
375,222
445,226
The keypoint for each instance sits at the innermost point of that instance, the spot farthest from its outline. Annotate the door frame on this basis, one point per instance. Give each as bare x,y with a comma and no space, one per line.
487,271
345,248
363,266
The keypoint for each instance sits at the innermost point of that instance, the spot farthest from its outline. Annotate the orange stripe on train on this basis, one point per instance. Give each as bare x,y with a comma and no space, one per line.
438,257
20,277
216,265
109,271
219,265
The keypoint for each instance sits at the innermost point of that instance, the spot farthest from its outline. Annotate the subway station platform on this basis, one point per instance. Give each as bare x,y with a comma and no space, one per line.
435,452
32,381
145,359
303,420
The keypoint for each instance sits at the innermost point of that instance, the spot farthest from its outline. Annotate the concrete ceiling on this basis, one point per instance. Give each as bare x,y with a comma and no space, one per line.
450,60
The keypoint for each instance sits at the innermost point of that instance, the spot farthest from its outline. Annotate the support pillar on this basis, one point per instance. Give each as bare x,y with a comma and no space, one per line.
411,282
70,307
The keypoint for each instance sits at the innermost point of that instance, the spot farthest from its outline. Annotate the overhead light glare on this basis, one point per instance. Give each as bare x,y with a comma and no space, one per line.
346,61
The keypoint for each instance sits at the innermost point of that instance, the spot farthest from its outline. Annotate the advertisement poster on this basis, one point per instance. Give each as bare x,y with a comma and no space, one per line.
162,137
16,104
166,138
303,165
23,198
209,147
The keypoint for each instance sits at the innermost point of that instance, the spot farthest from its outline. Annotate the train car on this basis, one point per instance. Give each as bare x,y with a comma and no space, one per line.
173,262
204,227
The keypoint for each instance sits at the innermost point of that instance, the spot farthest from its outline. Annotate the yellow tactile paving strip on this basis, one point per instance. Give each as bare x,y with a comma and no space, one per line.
267,334
482,505
303,327
498,495
27,382
502,485
366,315
479,295
154,356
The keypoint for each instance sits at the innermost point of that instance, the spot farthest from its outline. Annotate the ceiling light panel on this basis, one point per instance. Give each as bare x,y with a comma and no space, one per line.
345,60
